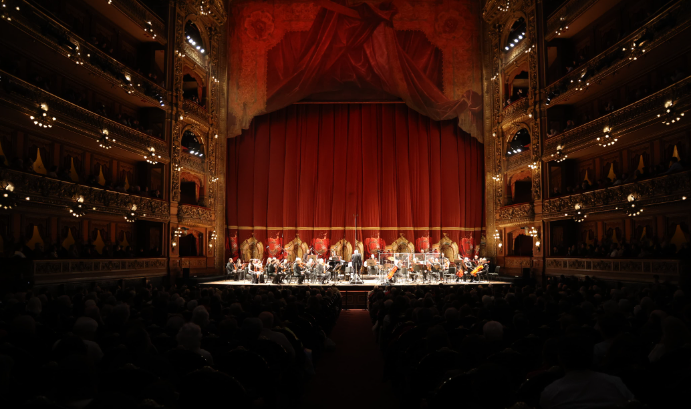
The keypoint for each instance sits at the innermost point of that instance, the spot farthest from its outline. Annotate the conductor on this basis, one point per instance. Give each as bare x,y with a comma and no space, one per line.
356,260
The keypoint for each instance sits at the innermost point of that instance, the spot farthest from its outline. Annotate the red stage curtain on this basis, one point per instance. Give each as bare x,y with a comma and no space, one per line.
308,169
355,53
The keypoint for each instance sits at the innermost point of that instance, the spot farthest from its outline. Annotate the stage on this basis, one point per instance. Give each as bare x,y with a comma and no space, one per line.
367,284
353,296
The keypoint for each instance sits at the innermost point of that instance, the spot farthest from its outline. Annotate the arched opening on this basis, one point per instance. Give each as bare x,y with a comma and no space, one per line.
191,189
188,246
516,34
193,88
520,185
519,143
516,87
192,144
194,37
523,245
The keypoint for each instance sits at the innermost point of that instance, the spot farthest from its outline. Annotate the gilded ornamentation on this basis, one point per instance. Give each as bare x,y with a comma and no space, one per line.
565,14
615,58
142,17
402,245
44,269
522,211
251,249
60,193
448,247
650,191
638,115
194,214
22,95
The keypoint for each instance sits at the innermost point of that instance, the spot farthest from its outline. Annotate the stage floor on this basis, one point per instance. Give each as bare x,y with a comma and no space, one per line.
366,284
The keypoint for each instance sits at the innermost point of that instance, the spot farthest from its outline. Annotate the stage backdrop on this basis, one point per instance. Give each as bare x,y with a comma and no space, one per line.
425,53
308,169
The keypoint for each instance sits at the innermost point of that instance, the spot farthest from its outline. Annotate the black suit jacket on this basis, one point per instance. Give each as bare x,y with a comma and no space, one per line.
357,261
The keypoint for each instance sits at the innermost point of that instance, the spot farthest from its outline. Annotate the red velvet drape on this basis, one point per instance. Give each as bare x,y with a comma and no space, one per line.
308,169
353,53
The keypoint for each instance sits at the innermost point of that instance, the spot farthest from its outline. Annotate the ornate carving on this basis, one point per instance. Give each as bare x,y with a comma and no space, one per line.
650,191
524,210
197,112
21,95
38,25
635,116
60,193
195,215
565,15
614,58
142,16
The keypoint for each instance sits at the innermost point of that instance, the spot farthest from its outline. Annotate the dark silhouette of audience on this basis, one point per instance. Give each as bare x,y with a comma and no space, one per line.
146,347
570,344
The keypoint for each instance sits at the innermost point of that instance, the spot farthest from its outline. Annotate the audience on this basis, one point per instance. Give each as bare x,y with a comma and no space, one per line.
128,348
569,344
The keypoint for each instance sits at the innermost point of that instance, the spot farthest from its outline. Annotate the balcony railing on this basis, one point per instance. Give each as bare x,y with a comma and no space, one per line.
655,191
565,15
56,192
637,115
192,214
516,214
518,160
619,269
192,162
515,111
196,111
44,29
675,19
194,55
142,16
21,95
64,270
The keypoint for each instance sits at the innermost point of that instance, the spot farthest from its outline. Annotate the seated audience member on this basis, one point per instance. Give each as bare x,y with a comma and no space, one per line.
674,166
190,337
620,179
581,387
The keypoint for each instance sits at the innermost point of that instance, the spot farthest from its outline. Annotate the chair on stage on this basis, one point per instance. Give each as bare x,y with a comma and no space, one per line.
495,274
449,274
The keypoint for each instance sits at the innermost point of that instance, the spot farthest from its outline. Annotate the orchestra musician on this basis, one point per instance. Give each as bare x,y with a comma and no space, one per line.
238,270
282,271
469,266
271,269
257,272
319,271
230,269
298,270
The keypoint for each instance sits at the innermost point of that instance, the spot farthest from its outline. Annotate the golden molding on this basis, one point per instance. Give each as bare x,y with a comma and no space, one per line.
351,228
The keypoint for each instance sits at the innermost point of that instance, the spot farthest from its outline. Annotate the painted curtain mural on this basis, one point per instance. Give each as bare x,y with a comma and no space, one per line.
425,53
307,169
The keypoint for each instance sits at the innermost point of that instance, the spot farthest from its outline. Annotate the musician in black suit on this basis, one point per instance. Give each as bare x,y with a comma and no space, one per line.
357,262
230,270
271,270
298,270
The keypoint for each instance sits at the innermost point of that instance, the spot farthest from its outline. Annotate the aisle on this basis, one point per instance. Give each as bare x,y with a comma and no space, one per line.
350,376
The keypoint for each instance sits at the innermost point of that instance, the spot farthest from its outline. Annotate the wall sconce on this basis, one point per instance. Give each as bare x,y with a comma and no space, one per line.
608,139
497,238
177,233
77,210
212,238
559,156
537,242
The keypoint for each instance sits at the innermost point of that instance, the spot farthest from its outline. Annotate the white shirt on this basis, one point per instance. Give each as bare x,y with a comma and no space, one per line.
585,389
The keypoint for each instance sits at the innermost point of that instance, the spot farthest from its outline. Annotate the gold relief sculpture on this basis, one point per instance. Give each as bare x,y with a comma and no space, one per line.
251,249
402,245
343,249
447,247
297,248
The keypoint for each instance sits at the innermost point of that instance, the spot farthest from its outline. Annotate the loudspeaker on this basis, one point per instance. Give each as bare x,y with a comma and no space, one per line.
526,272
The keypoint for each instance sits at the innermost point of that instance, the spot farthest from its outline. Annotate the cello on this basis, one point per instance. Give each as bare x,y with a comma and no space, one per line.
391,273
